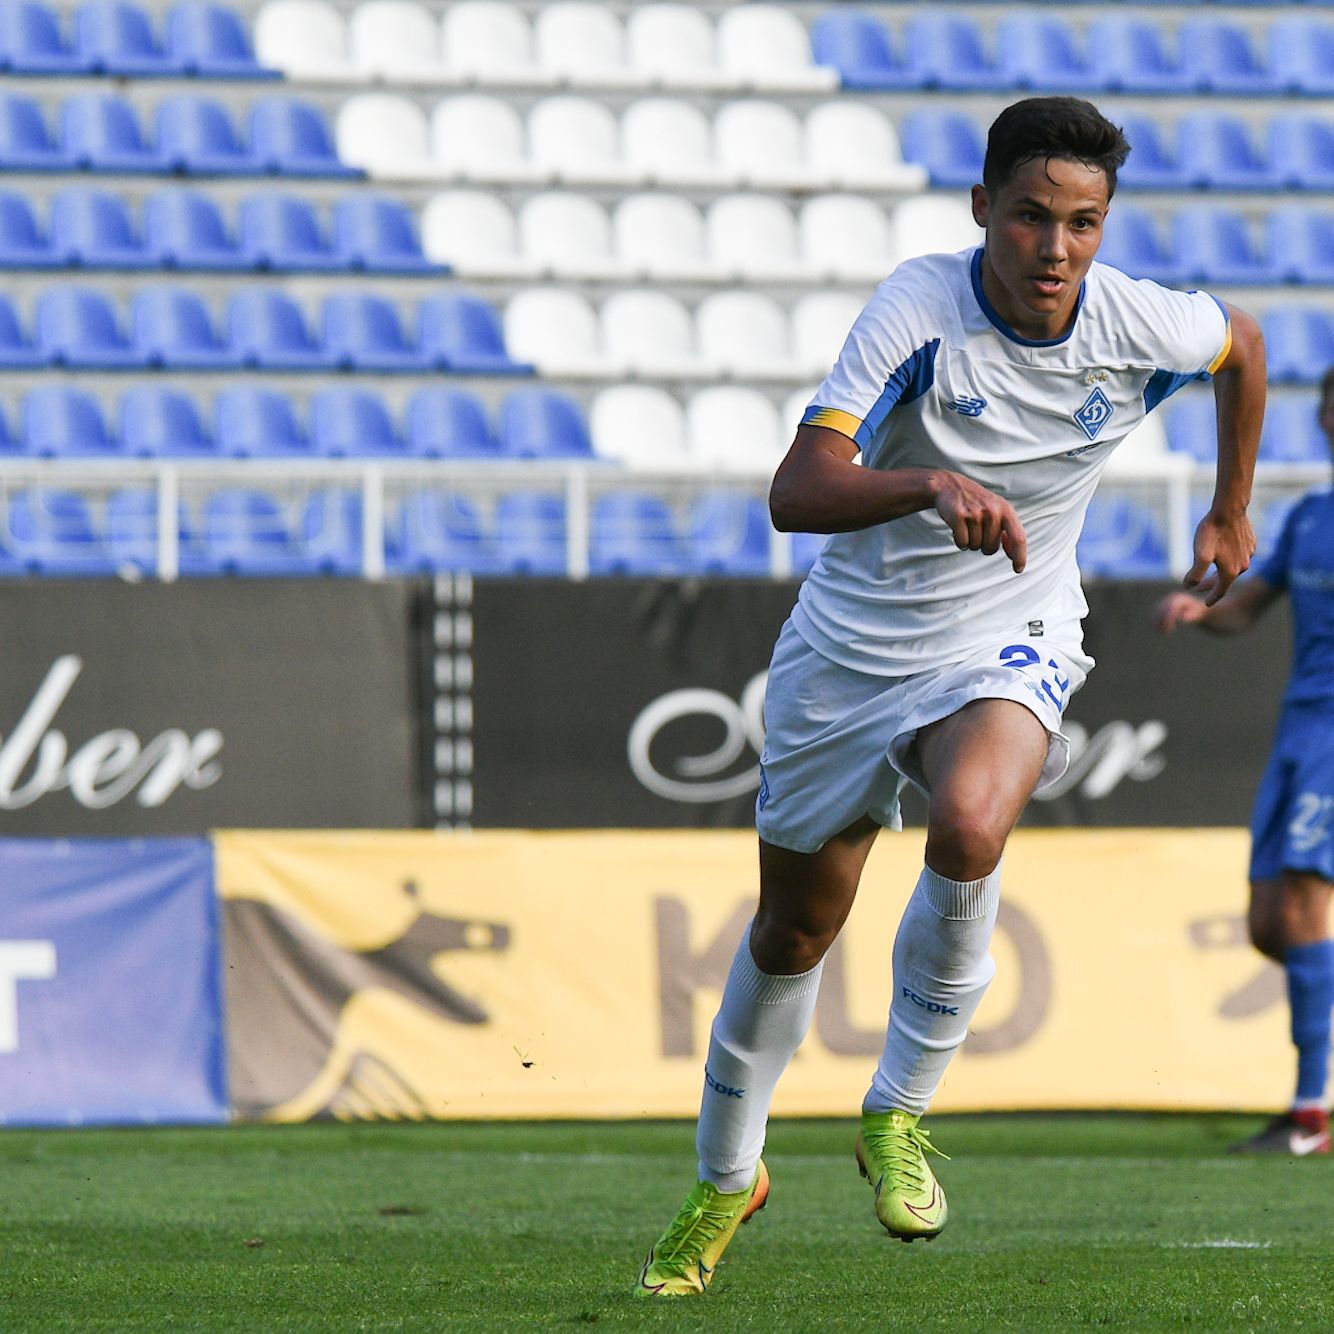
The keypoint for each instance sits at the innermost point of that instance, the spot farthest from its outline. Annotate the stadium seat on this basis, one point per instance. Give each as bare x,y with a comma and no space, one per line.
252,422
348,423
540,423
385,135
283,232
1217,57
114,37
856,147
25,141
1299,343
651,334
805,551
761,144
1036,51
330,531
378,234
16,350
1215,246
662,236
754,237
819,324
442,423
640,426
474,233
23,243
1301,243
1122,539
846,237
728,534
732,429
948,51
568,236
1301,55
576,140
531,532
245,532
1131,243
267,329
51,532
101,132
668,142
57,421
673,45
766,48
1301,151
489,42
31,41
1192,427
861,49
292,138
948,144
1144,449
1217,152
1292,433
93,228
444,531
582,44
157,422
930,225
363,331
555,330
633,533
395,40
1152,164
171,326
195,134
185,229
478,138
744,334
211,42
305,39
130,532
460,332
76,326
1133,55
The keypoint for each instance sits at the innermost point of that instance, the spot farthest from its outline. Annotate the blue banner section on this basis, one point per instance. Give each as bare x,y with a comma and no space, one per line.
110,1000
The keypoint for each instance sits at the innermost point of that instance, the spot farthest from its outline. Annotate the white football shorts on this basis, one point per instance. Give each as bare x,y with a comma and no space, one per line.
839,743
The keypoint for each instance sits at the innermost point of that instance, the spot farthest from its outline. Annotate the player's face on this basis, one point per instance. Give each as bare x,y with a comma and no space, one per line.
1043,227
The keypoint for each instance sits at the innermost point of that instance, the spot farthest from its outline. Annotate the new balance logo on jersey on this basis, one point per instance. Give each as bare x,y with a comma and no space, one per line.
1095,414
968,407
932,1007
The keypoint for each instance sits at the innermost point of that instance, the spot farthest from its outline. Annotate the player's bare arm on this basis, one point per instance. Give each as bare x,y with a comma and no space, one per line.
1225,539
1239,609
819,489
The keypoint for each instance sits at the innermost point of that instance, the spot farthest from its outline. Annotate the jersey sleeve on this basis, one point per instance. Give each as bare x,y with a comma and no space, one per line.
888,358
1190,338
1274,568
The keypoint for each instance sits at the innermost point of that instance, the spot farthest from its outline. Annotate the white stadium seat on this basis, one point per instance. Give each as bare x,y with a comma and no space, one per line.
395,40
582,43
856,147
1146,449
640,426
673,45
670,143
761,143
557,330
793,409
754,236
662,236
489,42
306,39
651,334
475,233
767,48
745,334
847,237
568,236
733,429
387,135
930,226
481,138
577,140
819,325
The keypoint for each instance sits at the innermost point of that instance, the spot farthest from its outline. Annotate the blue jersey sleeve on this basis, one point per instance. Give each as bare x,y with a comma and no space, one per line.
1274,569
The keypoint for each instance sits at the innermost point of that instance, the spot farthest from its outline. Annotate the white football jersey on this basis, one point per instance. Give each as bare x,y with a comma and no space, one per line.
931,376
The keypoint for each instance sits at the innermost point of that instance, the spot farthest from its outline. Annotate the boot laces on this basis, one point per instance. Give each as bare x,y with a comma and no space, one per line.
901,1153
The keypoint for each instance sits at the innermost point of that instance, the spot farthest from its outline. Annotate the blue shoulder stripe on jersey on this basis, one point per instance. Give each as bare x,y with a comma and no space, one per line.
906,382
1163,384
993,315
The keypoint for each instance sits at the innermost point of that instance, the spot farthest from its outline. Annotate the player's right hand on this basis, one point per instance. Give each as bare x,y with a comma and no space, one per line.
1178,609
978,519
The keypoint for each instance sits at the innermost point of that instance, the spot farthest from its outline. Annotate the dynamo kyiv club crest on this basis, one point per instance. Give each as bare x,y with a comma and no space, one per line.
1094,415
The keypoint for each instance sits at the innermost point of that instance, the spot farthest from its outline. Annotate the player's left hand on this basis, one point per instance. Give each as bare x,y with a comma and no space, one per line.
1225,542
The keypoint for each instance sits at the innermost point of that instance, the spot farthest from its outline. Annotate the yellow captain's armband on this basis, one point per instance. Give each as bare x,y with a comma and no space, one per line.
834,419
1226,348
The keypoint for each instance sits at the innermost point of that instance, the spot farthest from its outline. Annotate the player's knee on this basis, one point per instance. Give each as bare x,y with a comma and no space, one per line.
964,842
781,947
1266,930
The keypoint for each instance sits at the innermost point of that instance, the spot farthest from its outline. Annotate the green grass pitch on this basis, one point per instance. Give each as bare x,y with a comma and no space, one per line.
1057,1222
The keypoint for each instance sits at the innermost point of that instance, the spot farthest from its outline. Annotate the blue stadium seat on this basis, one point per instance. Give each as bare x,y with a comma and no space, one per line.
185,229
541,423
1039,52
531,533
1192,427
1301,55
16,350
11,445
948,144
362,331
114,37
292,138
1301,240
1122,539
267,328
23,243
58,421
444,531
157,422
31,41
1153,164
195,134
633,533
331,523
806,549
1218,153
444,423
245,531
93,228
860,47
728,534
1133,56
171,326
1131,243
376,233
948,51
1217,57
101,132
251,422
460,332
130,532
1299,343
282,232
1215,246
348,423
25,140
76,326
1292,433
1301,149
51,532
212,42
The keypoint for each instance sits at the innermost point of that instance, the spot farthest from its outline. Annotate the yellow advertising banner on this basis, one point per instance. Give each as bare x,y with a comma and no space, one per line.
575,974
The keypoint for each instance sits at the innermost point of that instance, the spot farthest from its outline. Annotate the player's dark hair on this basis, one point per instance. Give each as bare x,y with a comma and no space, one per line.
1047,127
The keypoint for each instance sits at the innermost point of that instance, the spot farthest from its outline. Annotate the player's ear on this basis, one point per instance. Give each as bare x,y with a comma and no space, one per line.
981,204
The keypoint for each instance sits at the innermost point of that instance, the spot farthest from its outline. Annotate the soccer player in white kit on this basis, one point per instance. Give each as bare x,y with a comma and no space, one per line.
937,640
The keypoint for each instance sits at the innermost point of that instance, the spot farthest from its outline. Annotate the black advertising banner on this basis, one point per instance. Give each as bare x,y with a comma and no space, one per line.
134,709
639,704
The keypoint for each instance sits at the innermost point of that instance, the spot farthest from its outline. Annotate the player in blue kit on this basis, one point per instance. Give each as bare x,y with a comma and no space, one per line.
937,640
1292,825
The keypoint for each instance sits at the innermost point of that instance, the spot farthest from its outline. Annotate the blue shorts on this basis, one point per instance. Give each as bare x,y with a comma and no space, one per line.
1293,818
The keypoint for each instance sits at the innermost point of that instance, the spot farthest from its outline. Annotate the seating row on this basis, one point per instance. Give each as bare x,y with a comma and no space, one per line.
756,45
1292,432
1114,52
115,38
101,131
261,328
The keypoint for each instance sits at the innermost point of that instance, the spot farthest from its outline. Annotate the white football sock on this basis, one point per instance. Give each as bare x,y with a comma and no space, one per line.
941,972
760,1024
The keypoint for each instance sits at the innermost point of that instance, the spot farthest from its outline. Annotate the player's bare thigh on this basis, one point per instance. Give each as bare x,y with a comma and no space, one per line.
1291,909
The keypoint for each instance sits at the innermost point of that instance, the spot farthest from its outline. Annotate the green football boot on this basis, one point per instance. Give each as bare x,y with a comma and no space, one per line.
683,1259
891,1153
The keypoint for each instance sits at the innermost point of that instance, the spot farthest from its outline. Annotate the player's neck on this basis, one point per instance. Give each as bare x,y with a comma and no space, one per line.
1036,327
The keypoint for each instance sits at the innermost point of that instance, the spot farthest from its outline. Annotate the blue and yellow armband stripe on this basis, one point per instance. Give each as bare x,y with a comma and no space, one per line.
834,419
